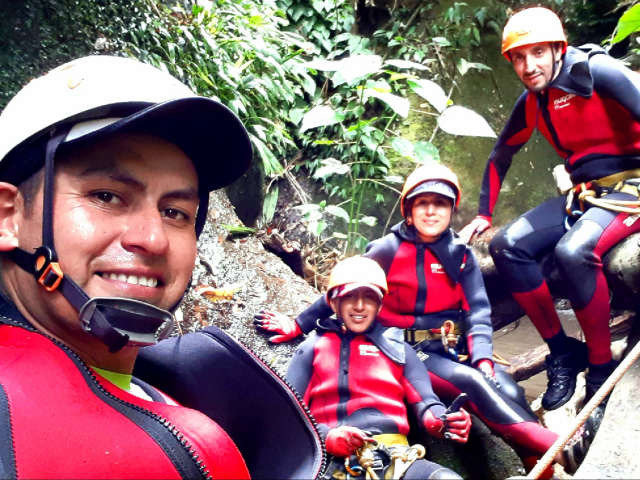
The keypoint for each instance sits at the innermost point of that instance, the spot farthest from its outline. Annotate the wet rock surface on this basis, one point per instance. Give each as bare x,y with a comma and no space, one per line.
262,280
614,452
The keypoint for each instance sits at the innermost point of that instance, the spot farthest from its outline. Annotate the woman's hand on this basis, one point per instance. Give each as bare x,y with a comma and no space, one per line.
286,328
476,227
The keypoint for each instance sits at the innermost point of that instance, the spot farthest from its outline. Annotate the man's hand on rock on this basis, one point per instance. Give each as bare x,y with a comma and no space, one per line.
286,328
476,227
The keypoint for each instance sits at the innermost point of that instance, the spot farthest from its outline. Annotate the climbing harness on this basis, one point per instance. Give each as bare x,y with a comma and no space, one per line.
597,399
398,453
594,193
450,336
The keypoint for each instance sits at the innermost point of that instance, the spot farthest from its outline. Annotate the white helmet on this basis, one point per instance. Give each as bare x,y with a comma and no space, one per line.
102,94
88,99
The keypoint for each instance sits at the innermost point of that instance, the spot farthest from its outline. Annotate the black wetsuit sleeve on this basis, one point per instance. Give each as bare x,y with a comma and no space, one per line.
300,372
514,135
477,311
319,310
417,385
612,79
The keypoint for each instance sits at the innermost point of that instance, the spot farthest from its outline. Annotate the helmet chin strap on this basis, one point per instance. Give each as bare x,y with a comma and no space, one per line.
116,322
554,69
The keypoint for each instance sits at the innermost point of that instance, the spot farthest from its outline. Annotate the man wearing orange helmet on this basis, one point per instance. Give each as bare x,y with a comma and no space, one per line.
587,105
355,375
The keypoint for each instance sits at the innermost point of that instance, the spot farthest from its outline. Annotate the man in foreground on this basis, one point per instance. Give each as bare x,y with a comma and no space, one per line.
587,105
105,173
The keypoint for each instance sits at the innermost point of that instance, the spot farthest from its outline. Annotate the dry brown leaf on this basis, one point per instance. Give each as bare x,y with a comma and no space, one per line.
219,294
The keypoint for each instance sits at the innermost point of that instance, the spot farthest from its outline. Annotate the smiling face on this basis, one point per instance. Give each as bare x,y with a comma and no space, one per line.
124,226
357,308
431,216
534,65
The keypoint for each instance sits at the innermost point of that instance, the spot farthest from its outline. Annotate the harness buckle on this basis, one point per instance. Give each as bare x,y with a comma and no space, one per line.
47,269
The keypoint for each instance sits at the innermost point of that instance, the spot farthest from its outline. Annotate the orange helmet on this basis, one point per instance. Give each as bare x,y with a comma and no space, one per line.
358,271
532,25
427,173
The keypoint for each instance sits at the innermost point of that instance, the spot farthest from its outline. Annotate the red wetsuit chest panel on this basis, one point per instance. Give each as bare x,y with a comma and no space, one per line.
352,375
62,428
417,277
586,126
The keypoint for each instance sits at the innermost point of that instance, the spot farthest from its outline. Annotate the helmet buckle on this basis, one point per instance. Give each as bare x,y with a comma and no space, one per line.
47,269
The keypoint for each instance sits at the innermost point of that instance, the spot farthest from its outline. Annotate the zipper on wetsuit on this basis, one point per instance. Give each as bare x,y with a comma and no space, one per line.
421,297
343,377
298,397
544,110
206,475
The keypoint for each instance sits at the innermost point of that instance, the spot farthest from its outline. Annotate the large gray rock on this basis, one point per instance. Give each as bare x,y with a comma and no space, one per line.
614,452
264,282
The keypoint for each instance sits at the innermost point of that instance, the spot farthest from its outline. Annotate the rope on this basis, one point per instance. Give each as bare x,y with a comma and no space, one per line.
366,460
402,457
402,461
621,206
497,358
602,392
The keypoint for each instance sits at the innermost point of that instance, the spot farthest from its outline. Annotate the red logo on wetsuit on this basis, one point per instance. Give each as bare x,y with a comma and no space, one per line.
370,350
562,102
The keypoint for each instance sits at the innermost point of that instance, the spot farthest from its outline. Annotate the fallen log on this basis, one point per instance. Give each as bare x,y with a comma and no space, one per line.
621,268
530,363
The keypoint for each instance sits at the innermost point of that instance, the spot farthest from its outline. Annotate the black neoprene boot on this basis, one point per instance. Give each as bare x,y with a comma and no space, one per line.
574,453
562,371
596,376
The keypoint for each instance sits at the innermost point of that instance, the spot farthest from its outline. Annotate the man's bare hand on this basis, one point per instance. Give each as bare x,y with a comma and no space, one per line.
476,227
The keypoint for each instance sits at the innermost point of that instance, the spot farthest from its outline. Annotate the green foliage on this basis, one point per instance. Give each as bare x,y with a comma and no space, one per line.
629,23
346,128
238,53
38,35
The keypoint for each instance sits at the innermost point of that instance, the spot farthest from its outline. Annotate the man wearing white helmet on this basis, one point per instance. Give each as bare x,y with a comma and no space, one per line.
106,165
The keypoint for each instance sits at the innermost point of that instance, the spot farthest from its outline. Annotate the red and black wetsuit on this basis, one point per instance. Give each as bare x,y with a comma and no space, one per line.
363,380
591,116
59,419
430,283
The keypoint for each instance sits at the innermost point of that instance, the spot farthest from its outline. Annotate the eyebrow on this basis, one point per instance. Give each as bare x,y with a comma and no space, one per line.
112,172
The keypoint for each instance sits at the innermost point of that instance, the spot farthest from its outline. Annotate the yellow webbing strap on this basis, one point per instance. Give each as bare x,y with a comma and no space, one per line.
612,180
390,439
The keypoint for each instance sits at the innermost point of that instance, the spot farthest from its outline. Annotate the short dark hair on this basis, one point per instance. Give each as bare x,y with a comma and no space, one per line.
29,189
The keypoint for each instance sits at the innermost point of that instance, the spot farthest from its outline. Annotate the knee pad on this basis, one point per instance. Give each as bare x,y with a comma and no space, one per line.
514,392
578,262
503,244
